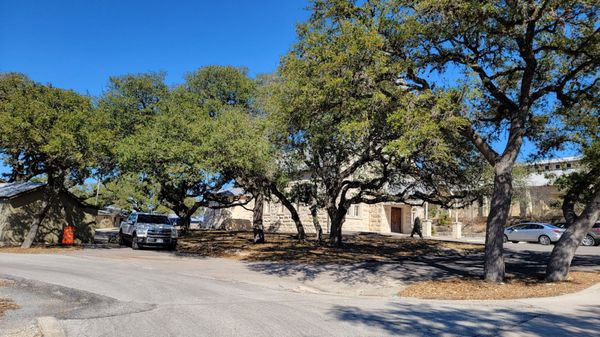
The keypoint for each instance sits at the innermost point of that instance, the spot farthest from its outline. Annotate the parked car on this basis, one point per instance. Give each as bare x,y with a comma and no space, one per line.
543,233
591,239
148,230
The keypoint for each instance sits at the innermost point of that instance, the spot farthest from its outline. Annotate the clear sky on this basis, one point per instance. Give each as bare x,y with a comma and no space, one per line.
79,44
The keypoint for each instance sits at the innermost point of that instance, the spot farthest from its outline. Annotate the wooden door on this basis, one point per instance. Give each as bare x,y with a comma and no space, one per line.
396,220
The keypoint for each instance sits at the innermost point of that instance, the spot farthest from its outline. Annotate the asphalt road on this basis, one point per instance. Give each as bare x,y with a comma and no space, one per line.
120,292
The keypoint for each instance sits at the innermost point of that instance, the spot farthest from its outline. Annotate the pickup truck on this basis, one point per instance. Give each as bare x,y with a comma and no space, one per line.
147,230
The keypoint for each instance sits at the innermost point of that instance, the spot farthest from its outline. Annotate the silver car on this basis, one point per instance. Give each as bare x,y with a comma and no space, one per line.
533,232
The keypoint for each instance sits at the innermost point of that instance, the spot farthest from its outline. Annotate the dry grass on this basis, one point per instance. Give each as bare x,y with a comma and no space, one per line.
5,303
40,249
285,248
513,288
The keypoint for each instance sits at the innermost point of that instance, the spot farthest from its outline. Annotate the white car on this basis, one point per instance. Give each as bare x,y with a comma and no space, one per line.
543,233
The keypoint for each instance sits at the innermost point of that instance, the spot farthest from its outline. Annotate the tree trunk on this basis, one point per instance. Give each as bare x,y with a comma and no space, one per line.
186,221
290,207
257,219
564,250
499,210
33,230
315,218
336,217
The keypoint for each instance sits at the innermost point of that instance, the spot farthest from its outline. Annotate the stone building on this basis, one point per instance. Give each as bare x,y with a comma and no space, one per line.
382,217
535,199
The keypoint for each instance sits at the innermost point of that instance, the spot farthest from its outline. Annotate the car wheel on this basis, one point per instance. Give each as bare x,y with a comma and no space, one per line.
121,239
134,242
588,241
515,241
505,239
544,240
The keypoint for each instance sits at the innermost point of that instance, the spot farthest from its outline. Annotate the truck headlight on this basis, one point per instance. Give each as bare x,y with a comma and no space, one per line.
141,230
173,232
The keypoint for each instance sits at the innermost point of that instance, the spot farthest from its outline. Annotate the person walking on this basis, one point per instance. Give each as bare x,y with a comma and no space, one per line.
417,228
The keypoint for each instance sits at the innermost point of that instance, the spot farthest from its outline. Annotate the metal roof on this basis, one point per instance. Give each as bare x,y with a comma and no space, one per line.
232,192
11,190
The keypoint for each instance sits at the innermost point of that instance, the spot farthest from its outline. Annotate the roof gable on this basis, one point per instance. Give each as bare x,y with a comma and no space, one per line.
11,190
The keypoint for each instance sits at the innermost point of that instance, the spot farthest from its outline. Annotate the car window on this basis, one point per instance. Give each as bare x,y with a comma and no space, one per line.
597,225
153,218
131,218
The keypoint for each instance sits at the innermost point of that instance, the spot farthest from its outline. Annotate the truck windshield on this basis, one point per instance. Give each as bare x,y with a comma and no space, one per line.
148,218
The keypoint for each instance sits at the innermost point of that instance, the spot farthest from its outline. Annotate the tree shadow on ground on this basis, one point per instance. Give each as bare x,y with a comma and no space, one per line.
371,258
419,268
403,270
422,319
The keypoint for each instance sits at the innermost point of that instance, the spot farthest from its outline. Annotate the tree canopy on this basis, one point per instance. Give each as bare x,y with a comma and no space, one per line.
49,133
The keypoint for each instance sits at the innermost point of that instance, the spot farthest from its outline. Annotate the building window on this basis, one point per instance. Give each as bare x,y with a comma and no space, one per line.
569,165
557,166
267,207
547,167
356,210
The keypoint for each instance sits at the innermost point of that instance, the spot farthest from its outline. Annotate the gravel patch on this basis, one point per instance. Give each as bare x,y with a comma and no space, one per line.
30,330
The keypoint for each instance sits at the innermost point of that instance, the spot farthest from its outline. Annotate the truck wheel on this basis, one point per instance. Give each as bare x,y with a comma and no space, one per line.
134,242
121,239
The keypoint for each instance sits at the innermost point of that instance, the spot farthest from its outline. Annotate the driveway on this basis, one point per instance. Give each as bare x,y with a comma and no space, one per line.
120,292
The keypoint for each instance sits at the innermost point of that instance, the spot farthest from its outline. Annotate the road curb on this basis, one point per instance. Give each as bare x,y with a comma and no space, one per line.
50,327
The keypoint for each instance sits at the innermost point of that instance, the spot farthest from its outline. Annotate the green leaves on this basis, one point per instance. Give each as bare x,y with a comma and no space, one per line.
45,130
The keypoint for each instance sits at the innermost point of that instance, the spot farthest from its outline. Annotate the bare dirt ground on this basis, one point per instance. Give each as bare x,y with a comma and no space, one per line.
514,287
285,248
40,249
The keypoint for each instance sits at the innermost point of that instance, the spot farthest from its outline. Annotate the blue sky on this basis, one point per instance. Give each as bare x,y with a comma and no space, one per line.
79,44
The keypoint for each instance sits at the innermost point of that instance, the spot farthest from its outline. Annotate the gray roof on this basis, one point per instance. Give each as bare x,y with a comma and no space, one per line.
232,192
11,190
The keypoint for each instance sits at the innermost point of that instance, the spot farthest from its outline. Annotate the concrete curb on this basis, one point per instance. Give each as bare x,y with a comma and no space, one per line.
50,327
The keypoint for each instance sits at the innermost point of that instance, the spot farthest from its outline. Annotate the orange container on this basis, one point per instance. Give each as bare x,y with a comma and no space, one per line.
68,235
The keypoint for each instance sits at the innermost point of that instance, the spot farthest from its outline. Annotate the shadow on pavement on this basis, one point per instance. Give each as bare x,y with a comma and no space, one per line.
415,269
426,320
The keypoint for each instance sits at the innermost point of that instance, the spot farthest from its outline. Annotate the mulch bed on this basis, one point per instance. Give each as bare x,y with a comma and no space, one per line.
285,248
5,303
514,287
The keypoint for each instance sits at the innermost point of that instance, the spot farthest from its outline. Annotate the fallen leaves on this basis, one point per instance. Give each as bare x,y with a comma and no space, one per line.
360,247
513,288
5,303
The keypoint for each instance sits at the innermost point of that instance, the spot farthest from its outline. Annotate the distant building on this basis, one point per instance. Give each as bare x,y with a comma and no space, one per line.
535,196
382,217
21,202
537,199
